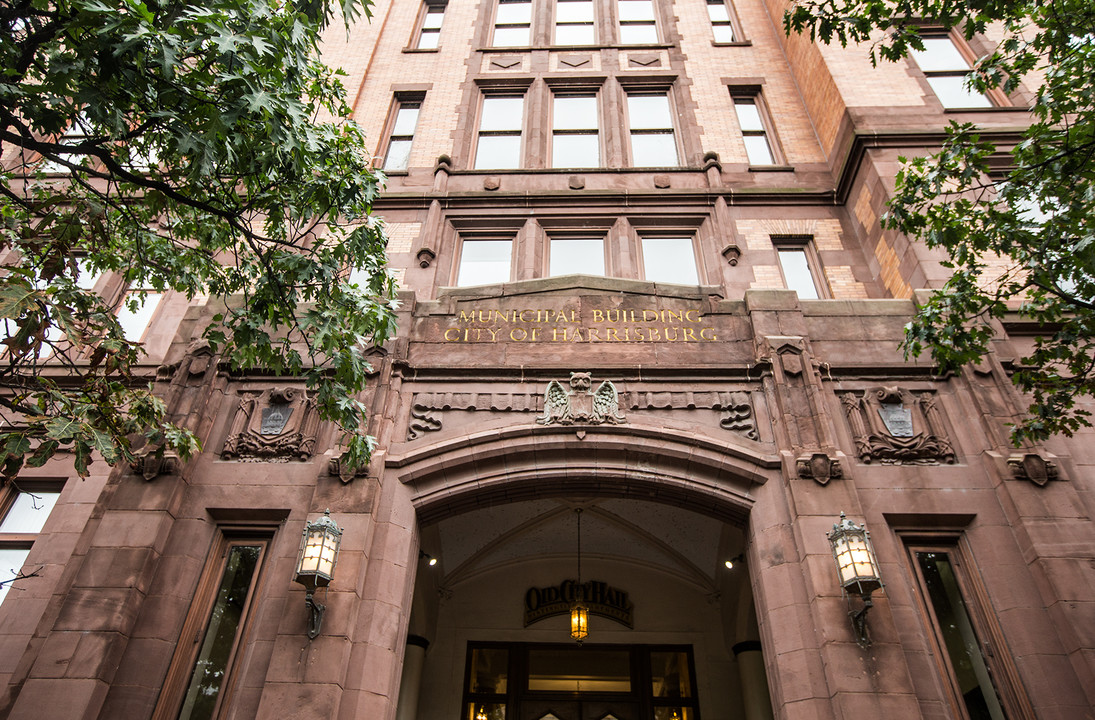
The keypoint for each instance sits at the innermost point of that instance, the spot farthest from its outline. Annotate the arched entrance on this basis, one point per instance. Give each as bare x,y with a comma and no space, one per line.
675,633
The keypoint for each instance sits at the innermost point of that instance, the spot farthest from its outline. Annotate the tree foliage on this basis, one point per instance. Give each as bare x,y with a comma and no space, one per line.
181,146
1018,232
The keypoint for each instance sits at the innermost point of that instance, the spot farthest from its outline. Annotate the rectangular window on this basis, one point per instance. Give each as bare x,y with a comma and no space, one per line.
670,260
653,143
136,311
964,632
513,24
484,262
576,256
574,22
722,25
946,68
637,23
754,130
402,135
499,144
199,680
575,139
23,514
799,265
429,29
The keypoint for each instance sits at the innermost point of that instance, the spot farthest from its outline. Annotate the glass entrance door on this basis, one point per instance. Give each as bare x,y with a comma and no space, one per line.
526,681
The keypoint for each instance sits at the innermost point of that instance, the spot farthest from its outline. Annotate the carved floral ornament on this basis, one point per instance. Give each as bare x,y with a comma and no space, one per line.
275,424
897,426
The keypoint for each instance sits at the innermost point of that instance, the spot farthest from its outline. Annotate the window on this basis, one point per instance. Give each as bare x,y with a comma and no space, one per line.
429,29
798,264
670,260
754,130
574,22
946,69
135,312
576,256
652,140
199,680
722,22
963,631
513,23
483,262
637,23
575,141
402,134
500,132
24,514
74,134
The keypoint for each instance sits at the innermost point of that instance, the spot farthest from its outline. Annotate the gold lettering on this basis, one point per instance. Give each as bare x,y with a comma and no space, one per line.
649,315
706,330
535,334
560,316
594,334
609,316
555,335
689,334
493,334
522,315
655,335
574,316
639,335
465,318
577,336
612,334
689,313
513,334
452,339
671,339
598,316
670,316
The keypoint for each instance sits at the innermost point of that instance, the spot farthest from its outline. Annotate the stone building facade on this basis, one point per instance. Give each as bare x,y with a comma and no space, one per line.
643,277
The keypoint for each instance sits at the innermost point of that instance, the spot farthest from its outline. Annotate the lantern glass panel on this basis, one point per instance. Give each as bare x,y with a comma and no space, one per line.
579,622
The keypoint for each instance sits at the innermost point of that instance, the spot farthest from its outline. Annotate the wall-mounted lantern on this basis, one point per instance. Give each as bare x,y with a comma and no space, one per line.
857,568
316,565
579,611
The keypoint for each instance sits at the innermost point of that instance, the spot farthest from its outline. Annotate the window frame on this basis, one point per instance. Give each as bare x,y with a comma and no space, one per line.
399,101
458,259
754,95
620,23
805,243
577,92
642,90
498,93
733,22
180,671
495,24
1004,676
995,97
151,295
594,24
23,540
421,31
670,234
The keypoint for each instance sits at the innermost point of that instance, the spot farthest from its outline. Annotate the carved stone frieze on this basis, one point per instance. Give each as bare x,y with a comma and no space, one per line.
273,424
581,404
1033,467
736,407
819,467
896,426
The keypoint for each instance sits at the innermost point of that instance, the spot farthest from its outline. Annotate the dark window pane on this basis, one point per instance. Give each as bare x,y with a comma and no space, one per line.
579,670
670,674
489,671
220,636
970,671
493,711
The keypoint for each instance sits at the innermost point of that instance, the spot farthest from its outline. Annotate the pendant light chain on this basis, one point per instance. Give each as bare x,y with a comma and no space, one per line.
579,511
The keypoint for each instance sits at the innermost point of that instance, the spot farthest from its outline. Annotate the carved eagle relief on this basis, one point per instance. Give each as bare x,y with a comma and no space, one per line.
580,404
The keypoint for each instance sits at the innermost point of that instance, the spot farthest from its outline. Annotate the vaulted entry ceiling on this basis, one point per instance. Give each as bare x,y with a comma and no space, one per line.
674,540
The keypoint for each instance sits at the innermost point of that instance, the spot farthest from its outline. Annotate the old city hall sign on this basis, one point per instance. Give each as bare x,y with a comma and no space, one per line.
601,598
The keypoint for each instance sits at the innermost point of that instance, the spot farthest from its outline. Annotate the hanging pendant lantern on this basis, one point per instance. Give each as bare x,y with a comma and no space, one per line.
579,612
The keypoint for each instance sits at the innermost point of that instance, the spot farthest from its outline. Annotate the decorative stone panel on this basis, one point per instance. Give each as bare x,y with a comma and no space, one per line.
273,424
896,426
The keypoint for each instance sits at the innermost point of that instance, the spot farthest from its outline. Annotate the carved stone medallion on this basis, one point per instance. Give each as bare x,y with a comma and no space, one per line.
896,426
273,424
